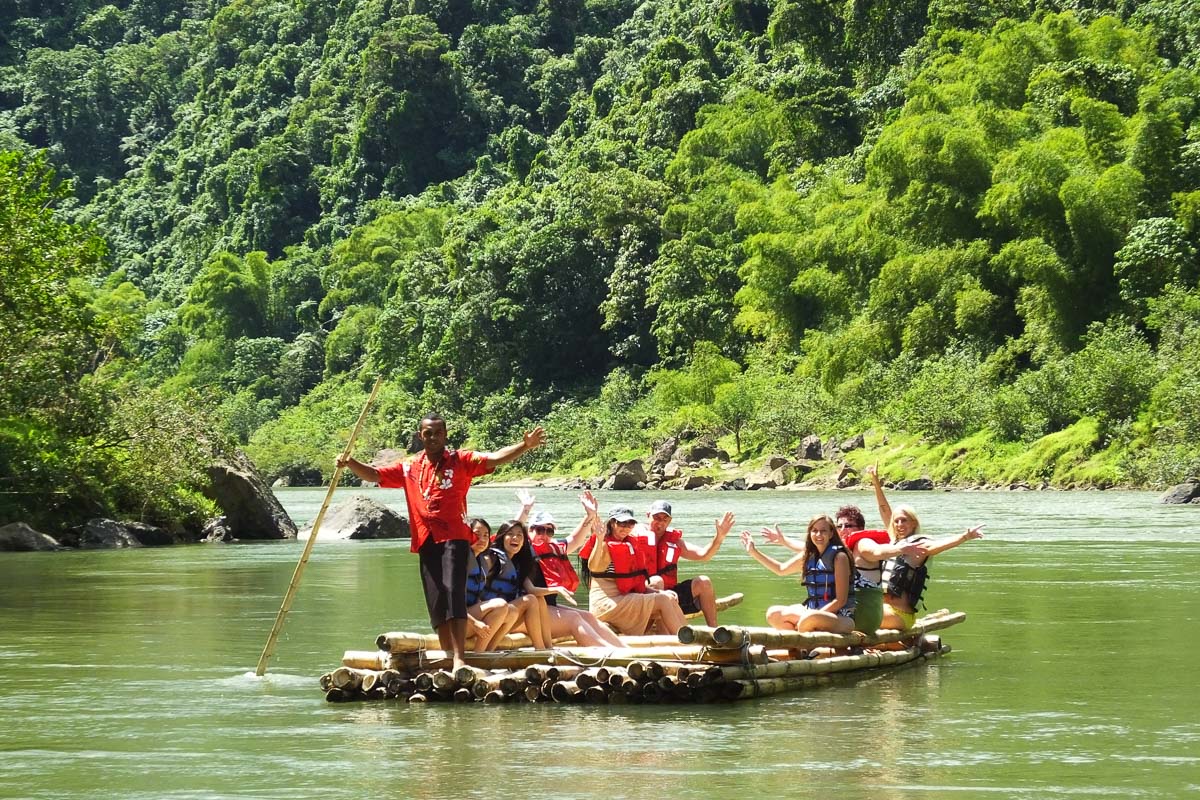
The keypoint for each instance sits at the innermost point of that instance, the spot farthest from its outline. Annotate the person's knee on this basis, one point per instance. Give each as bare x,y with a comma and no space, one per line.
702,586
656,583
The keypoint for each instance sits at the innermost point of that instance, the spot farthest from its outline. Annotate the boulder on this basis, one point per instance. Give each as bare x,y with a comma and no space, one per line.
847,477
98,534
853,443
737,484
775,462
830,451
802,468
696,481
672,469
810,448
217,530
360,517
760,480
914,485
1186,492
704,449
18,537
150,535
627,475
664,451
298,475
251,510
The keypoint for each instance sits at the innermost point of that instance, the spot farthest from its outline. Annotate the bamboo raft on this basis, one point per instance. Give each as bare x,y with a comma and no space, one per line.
700,665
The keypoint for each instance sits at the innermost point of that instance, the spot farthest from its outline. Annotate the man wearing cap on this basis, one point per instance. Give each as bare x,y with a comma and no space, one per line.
435,485
695,594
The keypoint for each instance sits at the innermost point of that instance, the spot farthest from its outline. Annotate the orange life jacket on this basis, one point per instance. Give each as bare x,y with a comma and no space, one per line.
556,567
667,557
632,560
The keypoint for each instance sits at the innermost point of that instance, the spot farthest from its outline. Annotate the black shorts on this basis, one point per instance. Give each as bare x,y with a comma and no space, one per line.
444,578
687,603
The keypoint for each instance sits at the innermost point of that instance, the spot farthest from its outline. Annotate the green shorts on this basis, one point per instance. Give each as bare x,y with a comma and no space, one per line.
869,611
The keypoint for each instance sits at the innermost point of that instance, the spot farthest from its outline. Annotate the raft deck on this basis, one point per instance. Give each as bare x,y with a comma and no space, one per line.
701,664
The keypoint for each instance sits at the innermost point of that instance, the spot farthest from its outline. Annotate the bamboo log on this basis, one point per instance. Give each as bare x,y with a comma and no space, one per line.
768,686
607,656
348,678
820,666
424,683
365,659
565,691
597,694
463,695
533,693
444,681
417,697
336,695
724,637
326,682
728,601
466,675
408,642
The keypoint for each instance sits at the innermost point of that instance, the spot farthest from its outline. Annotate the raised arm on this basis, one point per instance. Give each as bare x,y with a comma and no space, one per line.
531,440
942,545
874,551
885,508
525,498
790,567
723,526
775,536
591,516
364,471
600,558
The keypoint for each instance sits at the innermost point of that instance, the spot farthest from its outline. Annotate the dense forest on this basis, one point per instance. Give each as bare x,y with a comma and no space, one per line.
970,229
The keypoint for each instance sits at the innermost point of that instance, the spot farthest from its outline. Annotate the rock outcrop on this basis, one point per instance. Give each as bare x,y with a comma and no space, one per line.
1187,492
627,475
18,537
360,517
102,534
251,510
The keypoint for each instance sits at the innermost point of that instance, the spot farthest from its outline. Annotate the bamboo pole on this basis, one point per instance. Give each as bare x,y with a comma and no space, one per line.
597,656
290,595
365,659
728,601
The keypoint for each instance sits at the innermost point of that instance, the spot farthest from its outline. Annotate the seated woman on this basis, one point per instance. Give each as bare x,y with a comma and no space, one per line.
825,565
487,620
904,576
509,566
555,571
617,569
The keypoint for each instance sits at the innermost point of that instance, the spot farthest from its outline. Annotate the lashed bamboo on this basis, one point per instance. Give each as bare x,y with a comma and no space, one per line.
444,681
565,691
596,694
365,659
723,637
348,678
606,656
768,686
326,681
728,601
819,666
532,693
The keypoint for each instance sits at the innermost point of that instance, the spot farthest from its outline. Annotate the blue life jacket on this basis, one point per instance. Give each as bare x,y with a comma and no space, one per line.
503,581
820,581
475,581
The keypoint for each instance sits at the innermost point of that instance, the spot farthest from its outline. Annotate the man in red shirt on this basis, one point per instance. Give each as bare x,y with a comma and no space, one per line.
435,485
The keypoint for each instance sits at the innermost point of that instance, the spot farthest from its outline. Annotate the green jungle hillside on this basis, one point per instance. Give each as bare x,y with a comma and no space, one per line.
966,229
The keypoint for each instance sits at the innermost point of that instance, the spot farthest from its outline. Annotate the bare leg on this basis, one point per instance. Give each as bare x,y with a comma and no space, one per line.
494,613
585,628
670,617
511,617
543,611
454,633
824,621
532,620
784,618
706,598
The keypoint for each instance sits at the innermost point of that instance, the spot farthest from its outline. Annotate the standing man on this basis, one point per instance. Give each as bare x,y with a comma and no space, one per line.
435,485
695,594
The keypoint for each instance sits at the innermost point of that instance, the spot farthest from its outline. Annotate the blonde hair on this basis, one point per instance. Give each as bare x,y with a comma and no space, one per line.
912,516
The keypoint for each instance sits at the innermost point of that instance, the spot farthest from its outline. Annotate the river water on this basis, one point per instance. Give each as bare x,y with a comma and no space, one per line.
129,673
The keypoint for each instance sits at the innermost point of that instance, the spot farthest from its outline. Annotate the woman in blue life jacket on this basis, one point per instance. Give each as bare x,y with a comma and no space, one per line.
904,576
826,569
509,565
487,620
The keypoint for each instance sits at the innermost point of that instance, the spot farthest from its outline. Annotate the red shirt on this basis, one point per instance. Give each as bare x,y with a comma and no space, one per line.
436,496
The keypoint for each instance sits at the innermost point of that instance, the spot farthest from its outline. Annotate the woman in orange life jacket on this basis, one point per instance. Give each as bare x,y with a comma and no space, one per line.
555,570
826,568
695,594
487,620
904,576
509,567
618,568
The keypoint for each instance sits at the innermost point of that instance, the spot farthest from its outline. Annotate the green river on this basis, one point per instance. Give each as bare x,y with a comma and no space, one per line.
129,674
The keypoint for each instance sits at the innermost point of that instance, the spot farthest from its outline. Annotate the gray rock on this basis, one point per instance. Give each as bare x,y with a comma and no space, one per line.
853,443
627,475
847,477
830,451
810,448
775,462
802,468
664,451
17,537
360,517
150,535
281,483
251,510
915,485
704,448
737,484
98,534
696,481
217,530
672,469
1183,493
760,480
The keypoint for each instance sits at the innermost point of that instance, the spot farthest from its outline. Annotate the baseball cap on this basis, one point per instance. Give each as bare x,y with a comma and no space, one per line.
621,514
660,507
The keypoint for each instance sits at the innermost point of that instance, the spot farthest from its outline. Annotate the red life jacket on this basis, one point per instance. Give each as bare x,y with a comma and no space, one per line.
556,567
632,560
667,557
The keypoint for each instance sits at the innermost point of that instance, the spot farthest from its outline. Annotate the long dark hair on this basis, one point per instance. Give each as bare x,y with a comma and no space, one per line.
523,560
810,549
